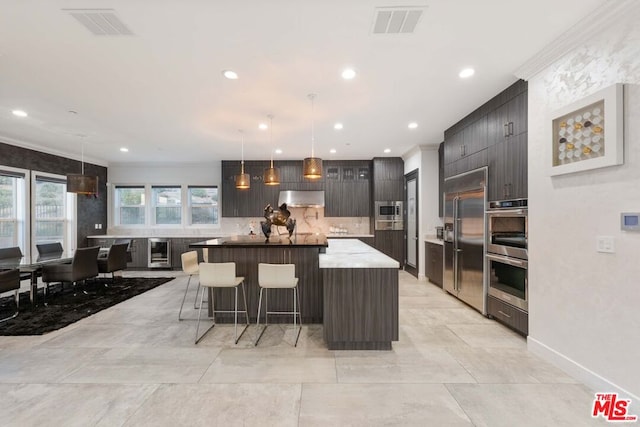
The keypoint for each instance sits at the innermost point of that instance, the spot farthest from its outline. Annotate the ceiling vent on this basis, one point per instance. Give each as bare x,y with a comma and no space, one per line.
397,20
101,22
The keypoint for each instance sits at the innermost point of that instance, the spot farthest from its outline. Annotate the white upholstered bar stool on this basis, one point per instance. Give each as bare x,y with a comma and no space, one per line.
278,276
221,275
190,267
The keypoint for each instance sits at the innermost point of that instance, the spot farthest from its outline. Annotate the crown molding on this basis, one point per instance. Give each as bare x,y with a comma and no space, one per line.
595,23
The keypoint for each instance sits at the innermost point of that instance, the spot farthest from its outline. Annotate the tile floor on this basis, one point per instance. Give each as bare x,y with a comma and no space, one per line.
135,364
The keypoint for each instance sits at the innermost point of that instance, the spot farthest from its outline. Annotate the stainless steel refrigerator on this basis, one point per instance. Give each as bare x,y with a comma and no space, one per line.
464,237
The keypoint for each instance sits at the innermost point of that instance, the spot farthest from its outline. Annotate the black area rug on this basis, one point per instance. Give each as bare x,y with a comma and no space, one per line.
64,308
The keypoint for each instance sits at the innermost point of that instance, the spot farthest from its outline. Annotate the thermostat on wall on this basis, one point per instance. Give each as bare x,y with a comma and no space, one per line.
630,221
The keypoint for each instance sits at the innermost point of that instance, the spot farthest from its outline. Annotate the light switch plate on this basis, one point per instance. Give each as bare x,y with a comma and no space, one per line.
605,244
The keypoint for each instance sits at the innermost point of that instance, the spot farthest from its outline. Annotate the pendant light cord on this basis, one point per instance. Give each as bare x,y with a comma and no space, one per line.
242,159
271,137
312,97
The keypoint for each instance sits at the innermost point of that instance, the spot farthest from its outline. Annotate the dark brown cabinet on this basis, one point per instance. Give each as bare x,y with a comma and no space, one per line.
388,179
434,262
347,189
440,178
391,243
494,135
508,169
508,315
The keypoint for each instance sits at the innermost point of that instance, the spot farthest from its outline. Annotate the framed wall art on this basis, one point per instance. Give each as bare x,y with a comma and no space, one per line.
588,134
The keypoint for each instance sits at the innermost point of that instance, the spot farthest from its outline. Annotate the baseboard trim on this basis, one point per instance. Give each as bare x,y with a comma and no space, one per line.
598,383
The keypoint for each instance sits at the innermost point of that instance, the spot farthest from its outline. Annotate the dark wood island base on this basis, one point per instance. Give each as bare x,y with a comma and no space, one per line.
360,308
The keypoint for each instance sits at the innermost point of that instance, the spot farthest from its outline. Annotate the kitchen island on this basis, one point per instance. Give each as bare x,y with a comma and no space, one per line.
345,284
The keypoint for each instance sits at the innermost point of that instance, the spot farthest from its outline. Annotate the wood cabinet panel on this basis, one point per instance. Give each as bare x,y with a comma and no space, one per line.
347,189
433,265
391,243
508,315
508,169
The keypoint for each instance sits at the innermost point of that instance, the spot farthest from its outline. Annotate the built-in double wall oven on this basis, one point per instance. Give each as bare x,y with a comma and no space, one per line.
507,257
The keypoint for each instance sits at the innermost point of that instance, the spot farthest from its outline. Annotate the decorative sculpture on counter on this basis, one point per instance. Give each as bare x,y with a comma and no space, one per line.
280,216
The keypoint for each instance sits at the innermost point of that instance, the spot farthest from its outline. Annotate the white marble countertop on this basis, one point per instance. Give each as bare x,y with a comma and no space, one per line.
352,253
177,236
346,235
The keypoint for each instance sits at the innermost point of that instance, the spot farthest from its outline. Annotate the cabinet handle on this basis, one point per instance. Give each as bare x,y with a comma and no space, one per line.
504,314
510,128
464,150
505,130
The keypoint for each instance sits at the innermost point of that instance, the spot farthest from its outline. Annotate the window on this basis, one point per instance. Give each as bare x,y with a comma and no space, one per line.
129,205
53,212
167,205
203,205
13,212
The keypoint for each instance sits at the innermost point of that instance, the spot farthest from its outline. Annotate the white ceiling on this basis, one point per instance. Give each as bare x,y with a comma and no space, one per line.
161,93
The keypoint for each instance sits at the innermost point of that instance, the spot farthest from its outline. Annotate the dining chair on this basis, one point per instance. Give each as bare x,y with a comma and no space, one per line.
14,253
277,276
10,281
49,248
84,265
116,260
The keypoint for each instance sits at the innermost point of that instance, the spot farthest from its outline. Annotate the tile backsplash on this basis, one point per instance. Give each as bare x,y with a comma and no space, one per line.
308,220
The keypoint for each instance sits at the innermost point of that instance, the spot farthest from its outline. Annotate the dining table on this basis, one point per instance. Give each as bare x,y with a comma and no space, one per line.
33,265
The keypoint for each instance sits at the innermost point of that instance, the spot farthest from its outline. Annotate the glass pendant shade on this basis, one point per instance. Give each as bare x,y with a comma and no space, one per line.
271,176
82,184
312,168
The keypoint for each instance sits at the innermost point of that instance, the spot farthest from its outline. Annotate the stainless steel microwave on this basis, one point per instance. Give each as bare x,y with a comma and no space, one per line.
389,210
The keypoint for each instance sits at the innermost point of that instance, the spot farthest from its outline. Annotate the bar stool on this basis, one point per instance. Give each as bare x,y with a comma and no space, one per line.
190,267
221,275
278,276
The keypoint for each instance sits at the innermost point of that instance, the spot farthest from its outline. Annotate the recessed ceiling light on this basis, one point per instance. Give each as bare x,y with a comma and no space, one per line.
332,151
413,125
263,126
231,75
387,150
338,126
124,149
278,151
19,113
467,72
348,73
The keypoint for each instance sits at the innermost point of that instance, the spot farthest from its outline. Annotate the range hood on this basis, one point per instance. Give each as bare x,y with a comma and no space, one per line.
302,199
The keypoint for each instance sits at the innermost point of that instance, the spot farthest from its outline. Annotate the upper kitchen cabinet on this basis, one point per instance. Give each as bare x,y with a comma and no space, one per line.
347,188
508,120
388,178
494,135
508,169
246,202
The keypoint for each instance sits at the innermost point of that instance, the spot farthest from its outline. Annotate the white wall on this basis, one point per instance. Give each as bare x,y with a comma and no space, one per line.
425,159
584,309
188,173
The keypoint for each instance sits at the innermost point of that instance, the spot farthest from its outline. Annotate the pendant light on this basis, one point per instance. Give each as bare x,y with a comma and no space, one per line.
271,174
312,166
243,180
81,183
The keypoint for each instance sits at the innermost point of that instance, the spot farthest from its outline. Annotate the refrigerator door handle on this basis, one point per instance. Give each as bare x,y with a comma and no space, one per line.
456,250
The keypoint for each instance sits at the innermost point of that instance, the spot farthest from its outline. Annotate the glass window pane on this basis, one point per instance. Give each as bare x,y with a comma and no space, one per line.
203,203
49,212
168,205
129,205
8,211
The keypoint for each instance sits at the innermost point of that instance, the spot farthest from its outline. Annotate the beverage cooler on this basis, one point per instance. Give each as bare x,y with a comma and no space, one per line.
159,253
